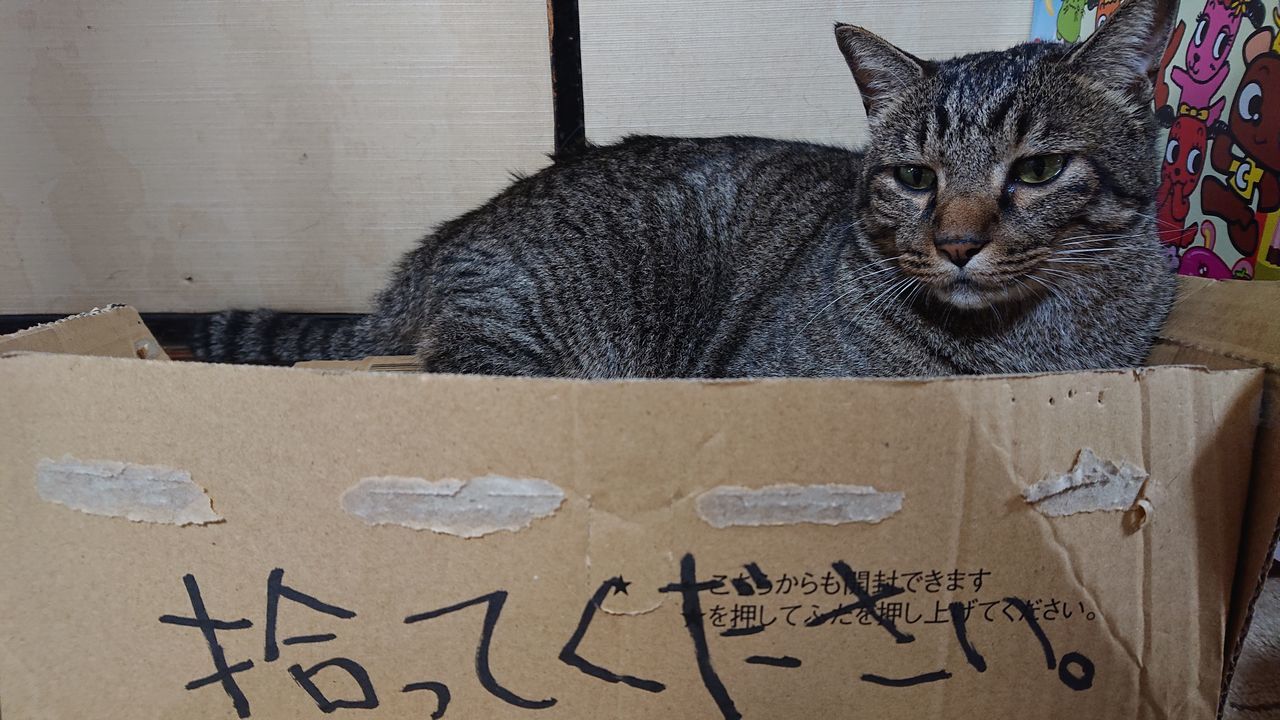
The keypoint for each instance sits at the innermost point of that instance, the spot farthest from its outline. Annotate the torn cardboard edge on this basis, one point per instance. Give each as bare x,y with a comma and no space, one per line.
1092,485
39,327
139,493
372,363
111,331
1242,358
408,364
789,504
464,508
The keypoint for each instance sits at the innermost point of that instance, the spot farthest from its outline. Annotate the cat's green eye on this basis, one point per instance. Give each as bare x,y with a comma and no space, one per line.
1038,168
916,177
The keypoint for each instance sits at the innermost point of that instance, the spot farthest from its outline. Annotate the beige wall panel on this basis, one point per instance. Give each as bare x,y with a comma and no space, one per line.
194,155
759,67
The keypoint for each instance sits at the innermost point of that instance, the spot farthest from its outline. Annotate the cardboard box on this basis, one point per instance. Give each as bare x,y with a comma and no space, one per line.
479,547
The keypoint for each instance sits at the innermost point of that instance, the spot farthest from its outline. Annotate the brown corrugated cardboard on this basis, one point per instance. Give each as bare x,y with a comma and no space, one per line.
1224,325
633,587
115,331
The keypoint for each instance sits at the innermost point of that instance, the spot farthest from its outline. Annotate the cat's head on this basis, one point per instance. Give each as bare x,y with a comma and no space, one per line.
992,176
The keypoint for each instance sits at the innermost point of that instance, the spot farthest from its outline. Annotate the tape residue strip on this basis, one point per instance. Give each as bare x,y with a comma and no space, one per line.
466,508
729,506
1093,485
141,493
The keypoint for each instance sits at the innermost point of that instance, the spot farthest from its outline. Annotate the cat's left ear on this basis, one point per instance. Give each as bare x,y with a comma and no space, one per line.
1127,49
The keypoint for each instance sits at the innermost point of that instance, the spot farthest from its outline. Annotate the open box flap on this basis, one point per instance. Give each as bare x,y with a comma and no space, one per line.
114,331
1225,325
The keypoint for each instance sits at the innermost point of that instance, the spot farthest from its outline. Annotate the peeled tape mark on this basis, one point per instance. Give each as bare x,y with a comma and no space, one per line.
1093,485
729,506
141,493
466,508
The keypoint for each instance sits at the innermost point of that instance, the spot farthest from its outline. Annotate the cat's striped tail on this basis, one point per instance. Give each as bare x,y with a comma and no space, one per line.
266,337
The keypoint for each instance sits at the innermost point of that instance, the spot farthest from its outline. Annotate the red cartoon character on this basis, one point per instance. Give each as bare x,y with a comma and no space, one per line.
1184,156
1253,126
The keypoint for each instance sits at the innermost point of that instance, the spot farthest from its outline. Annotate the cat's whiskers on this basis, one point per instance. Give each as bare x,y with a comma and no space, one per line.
1027,288
911,296
1051,287
1094,238
915,285
1076,280
883,296
1154,218
1087,251
908,288
848,292
879,299
947,315
995,311
1087,258
1081,262
1091,238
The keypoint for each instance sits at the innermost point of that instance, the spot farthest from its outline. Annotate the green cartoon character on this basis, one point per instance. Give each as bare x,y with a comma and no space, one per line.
1070,15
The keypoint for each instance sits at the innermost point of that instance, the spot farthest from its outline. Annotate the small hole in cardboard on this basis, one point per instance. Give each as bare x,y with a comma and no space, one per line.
1137,516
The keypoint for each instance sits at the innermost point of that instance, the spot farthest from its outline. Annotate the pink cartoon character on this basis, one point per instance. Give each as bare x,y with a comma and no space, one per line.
1184,156
1201,261
1206,60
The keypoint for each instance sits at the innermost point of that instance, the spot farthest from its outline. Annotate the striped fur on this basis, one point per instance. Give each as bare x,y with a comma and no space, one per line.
736,256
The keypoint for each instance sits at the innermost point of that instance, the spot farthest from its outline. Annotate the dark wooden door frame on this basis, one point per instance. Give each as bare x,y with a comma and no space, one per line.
568,107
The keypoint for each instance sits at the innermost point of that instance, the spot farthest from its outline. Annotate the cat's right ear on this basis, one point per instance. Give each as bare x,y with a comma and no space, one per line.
1127,51
880,69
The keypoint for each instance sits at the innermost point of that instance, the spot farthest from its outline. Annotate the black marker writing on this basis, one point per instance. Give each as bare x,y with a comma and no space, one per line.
494,602
222,672
569,654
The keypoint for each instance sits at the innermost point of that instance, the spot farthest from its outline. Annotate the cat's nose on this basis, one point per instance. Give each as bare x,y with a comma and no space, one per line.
959,249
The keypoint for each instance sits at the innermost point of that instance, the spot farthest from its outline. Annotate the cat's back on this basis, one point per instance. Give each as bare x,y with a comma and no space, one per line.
628,258
749,163
651,189
695,199
657,152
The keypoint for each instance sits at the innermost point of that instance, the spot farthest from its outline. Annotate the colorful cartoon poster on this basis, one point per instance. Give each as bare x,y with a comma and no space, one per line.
1218,103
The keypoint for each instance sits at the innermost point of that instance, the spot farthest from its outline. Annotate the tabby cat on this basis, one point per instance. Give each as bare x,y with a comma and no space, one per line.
1000,220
